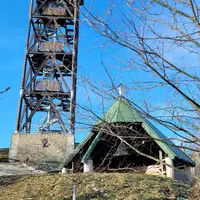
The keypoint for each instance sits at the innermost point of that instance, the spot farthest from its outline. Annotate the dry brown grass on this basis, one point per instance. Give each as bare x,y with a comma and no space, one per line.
115,186
4,154
195,192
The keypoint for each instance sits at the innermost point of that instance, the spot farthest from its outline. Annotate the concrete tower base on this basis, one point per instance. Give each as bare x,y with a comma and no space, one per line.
41,148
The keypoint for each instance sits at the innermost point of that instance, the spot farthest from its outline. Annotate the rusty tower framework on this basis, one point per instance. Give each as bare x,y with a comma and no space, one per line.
50,66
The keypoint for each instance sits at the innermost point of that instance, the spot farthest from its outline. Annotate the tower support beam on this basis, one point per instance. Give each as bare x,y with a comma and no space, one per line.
74,67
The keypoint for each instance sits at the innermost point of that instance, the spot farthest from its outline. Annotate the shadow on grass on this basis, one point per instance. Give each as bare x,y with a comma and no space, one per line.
157,199
110,195
8,180
106,195
102,197
93,195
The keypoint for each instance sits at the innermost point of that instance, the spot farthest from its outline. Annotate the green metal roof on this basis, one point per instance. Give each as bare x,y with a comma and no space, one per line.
123,111
75,152
120,111
92,146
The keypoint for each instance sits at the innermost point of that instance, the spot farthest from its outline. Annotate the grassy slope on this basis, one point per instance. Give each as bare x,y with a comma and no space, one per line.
128,186
4,154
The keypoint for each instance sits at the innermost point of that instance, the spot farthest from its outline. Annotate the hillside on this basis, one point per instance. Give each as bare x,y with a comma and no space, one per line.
128,186
4,154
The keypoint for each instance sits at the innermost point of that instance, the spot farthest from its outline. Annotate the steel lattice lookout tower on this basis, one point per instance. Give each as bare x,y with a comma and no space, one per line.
50,64
48,85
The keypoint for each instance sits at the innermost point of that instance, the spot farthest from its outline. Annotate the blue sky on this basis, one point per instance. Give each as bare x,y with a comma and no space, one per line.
12,36
14,20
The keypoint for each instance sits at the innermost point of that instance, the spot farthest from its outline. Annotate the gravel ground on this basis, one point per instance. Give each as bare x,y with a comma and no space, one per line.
8,169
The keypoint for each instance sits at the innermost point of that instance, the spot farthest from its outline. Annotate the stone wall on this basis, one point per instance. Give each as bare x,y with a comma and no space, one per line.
41,148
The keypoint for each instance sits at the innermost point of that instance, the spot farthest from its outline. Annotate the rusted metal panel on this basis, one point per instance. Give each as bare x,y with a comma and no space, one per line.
50,85
51,46
54,11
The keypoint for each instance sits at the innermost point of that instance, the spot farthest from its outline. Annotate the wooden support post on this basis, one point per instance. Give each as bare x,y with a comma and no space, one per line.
169,169
64,170
88,166
188,171
161,161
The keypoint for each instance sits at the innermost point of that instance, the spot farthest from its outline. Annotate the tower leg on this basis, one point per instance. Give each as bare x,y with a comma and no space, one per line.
74,68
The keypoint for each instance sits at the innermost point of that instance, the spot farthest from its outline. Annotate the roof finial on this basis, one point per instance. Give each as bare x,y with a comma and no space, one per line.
120,88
